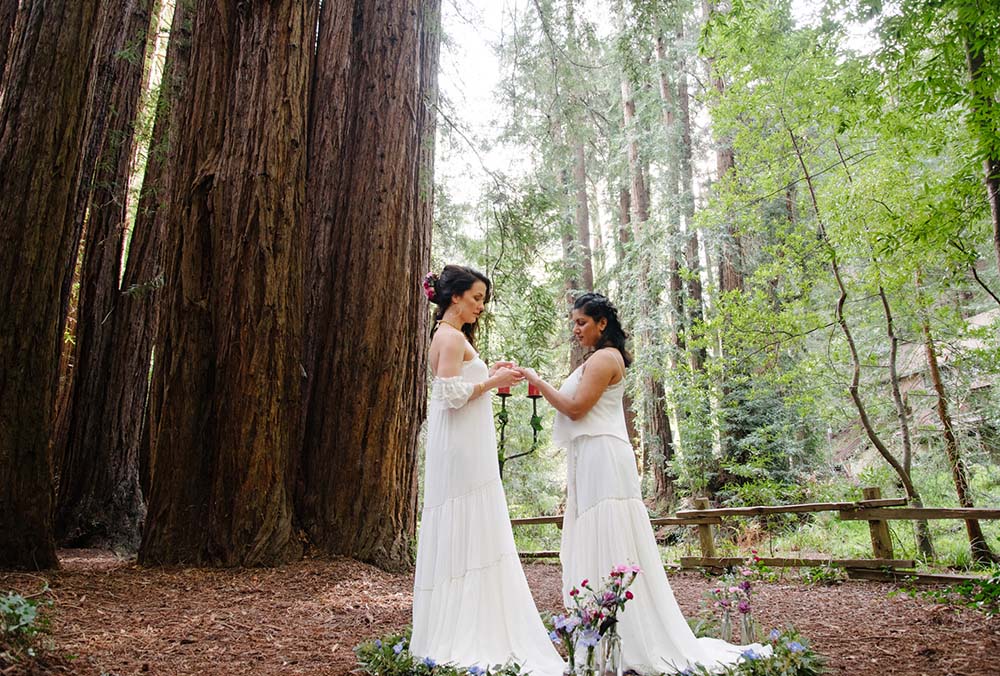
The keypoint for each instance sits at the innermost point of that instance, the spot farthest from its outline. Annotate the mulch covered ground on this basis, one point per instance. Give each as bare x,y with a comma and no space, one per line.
305,618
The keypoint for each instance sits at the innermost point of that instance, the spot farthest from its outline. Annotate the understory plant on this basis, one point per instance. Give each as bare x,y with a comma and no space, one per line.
21,625
390,656
978,594
790,656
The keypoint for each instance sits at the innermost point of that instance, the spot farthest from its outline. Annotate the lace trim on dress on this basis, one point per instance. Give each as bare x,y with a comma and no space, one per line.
454,391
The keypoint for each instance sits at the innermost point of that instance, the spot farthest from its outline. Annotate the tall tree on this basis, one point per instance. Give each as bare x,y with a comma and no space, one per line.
8,13
41,127
99,501
370,192
225,425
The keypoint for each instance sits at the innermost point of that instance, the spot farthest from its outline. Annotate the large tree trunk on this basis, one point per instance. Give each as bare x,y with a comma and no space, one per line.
981,551
225,429
8,13
370,192
99,503
137,322
41,127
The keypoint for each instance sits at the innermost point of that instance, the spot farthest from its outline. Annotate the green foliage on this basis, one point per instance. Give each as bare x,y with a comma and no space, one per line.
822,575
790,656
980,594
21,624
390,656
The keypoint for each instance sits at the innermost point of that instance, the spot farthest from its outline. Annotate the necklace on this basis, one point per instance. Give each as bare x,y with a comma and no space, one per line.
444,321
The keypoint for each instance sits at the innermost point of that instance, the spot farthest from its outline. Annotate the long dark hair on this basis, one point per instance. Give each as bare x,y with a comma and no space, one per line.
598,307
454,280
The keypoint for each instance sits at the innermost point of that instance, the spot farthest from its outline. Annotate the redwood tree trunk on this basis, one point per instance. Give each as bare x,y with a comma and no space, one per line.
370,192
138,319
8,12
41,124
583,216
99,503
984,105
225,427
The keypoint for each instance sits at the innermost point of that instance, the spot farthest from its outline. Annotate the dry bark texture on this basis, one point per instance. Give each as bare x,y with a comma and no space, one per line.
224,426
41,127
368,241
98,502
8,13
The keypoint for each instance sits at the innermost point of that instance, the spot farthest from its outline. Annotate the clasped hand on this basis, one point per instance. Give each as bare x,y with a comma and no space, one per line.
509,373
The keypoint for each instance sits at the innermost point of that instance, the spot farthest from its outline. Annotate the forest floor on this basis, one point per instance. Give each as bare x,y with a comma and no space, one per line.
305,618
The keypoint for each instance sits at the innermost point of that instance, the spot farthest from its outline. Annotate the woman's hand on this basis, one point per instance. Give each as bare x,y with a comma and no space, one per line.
505,376
501,364
530,375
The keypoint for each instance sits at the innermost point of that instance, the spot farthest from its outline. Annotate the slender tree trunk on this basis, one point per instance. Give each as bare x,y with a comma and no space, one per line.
621,242
41,127
370,192
225,430
8,13
981,552
583,216
924,542
984,106
854,389
99,503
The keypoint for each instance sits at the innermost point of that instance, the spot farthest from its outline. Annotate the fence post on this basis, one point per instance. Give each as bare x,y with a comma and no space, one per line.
705,531
881,538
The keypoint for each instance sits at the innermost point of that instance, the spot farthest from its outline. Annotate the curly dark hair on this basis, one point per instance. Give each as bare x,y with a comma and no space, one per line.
598,307
455,280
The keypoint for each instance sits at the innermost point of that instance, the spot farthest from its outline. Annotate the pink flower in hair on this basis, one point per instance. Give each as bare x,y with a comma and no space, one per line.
430,279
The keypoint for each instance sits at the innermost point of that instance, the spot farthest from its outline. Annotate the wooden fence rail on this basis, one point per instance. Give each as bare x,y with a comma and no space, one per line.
874,509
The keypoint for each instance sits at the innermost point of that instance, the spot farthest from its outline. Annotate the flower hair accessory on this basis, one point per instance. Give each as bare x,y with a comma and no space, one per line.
430,281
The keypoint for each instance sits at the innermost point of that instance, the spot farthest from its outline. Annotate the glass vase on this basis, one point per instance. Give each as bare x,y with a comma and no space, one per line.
611,653
588,666
748,628
726,628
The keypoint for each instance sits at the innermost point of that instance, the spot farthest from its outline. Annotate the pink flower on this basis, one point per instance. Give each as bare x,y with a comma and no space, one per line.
574,591
629,595
635,569
584,583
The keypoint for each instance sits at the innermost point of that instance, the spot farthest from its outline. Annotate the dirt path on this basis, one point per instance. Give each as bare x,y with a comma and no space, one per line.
305,618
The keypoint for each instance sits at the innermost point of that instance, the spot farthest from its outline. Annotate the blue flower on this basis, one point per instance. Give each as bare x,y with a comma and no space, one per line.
429,661
589,638
398,648
749,654
378,644
775,634
795,646
476,670
554,636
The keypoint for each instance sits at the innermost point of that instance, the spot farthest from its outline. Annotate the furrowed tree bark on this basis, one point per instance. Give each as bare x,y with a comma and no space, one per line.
99,503
137,323
41,127
225,431
370,199
8,13
583,216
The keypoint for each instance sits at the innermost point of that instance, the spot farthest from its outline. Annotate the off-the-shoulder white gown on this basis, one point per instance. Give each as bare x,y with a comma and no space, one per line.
471,602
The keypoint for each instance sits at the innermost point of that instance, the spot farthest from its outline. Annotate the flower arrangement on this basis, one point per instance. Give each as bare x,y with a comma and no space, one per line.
732,598
593,619
430,279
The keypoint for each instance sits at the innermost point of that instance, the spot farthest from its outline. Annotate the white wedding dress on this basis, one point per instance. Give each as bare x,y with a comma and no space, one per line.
606,524
471,602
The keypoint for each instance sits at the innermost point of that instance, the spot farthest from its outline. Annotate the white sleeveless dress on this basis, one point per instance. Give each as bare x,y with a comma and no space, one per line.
606,524
471,602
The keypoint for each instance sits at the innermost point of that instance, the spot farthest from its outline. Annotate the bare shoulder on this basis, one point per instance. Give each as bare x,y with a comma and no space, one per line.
604,366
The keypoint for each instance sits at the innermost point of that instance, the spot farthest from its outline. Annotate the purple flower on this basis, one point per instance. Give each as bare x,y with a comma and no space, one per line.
589,638
429,661
378,644
476,670
795,646
745,585
749,654
398,648
554,637
744,607
775,635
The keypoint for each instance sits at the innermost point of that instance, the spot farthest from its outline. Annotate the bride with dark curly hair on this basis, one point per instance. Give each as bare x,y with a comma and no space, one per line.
606,522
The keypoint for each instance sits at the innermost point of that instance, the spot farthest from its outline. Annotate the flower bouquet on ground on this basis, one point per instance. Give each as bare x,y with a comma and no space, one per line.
790,656
592,623
390,656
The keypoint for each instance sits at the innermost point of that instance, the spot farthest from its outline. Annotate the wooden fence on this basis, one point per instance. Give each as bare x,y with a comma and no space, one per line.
873,508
